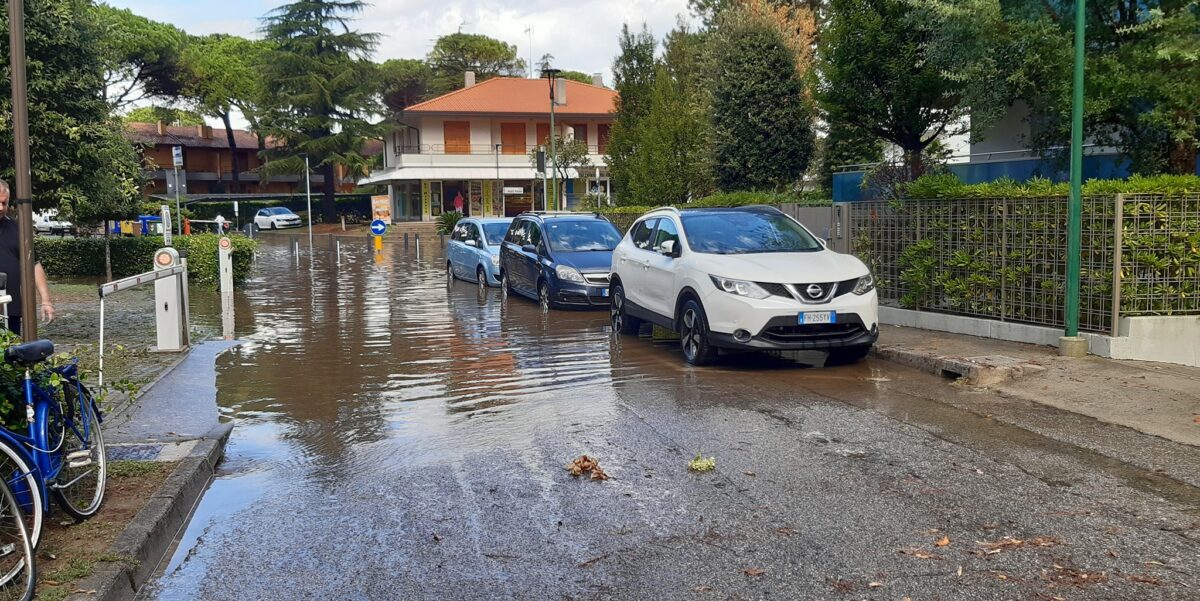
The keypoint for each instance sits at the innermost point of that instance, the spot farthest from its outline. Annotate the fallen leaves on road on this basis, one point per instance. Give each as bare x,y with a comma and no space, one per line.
702,464
785,531
841,586
1009,542
1144,579
1062,575
702,589
589,563
874,584
584,465
1196,419
942,542
752,572
920,553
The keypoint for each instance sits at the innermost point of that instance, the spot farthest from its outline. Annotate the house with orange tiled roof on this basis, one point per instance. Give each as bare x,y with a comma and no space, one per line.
469,150
208,163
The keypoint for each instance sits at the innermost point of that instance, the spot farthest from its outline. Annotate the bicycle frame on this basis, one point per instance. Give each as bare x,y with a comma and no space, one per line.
35,447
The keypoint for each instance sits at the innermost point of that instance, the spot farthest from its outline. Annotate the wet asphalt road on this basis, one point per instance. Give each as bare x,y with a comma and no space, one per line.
400,439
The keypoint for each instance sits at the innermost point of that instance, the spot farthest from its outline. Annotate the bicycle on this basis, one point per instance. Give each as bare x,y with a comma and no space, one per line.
63,453
18,568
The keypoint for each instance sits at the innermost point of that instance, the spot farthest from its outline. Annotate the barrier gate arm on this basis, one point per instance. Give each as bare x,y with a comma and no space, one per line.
125,284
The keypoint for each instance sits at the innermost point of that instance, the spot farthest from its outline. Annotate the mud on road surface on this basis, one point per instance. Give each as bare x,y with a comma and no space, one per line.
399,438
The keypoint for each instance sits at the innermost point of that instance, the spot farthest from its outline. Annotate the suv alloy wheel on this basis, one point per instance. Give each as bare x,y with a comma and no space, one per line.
693,335
622,322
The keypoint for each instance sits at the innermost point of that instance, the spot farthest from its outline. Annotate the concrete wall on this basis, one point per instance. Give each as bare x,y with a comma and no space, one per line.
1169,339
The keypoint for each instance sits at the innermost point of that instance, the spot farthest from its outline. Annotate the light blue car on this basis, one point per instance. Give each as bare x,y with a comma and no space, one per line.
473,252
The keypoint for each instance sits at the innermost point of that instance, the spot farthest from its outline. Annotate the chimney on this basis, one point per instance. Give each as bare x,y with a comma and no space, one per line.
468,79
560,93
162,128
598,80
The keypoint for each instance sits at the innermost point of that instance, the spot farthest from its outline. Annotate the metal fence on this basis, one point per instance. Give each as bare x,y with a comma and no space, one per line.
1005,258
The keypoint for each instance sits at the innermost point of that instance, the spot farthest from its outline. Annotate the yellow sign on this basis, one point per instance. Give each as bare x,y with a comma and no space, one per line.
488,188
378,243
425,198
381,208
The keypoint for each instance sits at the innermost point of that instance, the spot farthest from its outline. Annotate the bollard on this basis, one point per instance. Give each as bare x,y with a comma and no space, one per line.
339,251
418,238
296,251
343,223
405,240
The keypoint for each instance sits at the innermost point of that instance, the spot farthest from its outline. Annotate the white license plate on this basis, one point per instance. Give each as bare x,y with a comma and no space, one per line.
814,317
604,292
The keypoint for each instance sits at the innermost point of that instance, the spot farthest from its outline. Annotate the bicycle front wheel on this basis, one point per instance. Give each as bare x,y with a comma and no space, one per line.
26,486
17,567
79,485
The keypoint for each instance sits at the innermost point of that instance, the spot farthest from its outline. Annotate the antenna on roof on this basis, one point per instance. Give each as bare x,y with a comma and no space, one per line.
529,30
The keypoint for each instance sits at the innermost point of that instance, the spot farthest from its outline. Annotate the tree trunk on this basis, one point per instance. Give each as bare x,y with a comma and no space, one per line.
914,163
1181,159
329,201
233,160
107,252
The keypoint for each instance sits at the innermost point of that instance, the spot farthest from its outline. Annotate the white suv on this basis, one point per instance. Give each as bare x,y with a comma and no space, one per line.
748,278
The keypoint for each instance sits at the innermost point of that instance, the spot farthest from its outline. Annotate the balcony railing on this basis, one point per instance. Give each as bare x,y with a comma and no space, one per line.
478,149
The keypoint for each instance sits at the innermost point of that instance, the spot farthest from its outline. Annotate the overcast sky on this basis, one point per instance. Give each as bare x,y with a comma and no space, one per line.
581,34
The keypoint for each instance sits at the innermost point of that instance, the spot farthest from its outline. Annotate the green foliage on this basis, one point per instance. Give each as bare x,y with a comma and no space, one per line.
949,186
140,57
322,90
578,76
131,256
221,73
446,221
762,122
568,154
624,216
81,163
456,53
847,144
909,72
404,82
633,73
168,115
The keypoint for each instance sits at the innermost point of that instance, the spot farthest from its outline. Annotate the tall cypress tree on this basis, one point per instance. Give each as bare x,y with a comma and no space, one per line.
762,122
324,86
633,73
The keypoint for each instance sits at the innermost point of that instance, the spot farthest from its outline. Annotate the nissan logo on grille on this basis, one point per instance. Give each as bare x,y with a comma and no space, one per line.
815,291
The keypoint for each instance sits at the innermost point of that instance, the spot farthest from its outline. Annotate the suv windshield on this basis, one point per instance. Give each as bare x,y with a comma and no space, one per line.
742,232
580,236
494,232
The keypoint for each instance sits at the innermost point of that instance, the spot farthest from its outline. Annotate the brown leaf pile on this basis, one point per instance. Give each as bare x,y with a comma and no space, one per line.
752,572
1068,576
585,465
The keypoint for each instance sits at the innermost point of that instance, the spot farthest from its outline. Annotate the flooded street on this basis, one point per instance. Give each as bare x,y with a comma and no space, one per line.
398,438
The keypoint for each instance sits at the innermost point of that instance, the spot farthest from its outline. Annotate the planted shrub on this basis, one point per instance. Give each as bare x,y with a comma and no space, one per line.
131,256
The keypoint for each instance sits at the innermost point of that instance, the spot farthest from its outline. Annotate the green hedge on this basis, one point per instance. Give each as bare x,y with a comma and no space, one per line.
947,185
624,216
131,256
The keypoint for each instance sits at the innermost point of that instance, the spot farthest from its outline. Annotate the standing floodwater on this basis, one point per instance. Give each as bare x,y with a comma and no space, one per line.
399,438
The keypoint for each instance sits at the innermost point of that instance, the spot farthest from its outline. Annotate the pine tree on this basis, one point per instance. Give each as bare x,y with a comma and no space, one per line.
324,88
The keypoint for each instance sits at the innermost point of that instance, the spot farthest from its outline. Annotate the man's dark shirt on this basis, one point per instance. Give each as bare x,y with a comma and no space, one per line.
10,261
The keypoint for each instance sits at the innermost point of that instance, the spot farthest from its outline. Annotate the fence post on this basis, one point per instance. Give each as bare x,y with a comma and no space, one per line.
1118,243
1003,258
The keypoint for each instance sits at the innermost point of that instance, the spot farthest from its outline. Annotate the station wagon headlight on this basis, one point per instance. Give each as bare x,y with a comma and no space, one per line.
568,274
496,260
740,287
865,284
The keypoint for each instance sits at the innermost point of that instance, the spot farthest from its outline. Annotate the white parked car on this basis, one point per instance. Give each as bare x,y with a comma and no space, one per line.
49,224
276,218
745,278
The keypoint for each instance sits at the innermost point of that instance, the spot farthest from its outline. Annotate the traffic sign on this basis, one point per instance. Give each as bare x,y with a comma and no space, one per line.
177,156
379,227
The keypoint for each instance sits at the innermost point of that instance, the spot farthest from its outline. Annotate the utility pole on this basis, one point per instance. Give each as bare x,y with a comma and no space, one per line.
24,172
1071,344
308,194
552,75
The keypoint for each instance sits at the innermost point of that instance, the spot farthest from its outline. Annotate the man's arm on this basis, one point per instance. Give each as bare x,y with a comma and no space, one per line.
43,290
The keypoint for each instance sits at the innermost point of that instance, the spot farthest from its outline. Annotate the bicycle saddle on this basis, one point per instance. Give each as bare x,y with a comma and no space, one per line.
29,352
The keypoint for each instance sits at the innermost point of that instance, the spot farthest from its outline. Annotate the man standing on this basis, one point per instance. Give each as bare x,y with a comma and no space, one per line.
10,263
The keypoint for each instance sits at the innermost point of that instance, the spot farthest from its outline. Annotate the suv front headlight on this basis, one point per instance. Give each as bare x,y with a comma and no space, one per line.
740,287
496,260
568,274
865,284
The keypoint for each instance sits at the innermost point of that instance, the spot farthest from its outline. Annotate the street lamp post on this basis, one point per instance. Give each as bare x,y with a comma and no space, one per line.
1071,344
552,76
23,184
308,195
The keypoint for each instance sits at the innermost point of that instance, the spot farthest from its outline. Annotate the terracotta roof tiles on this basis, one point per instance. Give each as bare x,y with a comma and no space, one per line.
512,95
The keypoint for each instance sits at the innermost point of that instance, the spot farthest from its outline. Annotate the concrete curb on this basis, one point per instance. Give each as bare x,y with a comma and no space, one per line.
144,542
986,370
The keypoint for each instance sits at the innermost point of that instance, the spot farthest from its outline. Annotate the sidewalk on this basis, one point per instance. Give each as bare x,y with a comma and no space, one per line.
1153,398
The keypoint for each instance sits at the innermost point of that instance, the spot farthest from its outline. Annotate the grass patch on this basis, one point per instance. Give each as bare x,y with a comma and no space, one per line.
133,469
52,594
76,569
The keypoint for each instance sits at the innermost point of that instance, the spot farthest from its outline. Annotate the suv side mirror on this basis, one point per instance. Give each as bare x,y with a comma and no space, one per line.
471,243
529,248
668,248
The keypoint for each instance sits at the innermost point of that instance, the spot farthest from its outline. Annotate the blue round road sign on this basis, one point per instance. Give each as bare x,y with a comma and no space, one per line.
378,227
